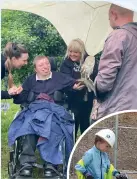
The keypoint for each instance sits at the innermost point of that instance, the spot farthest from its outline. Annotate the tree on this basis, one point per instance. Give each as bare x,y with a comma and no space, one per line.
35,32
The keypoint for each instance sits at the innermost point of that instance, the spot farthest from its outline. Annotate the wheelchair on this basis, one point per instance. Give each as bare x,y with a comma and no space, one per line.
15,150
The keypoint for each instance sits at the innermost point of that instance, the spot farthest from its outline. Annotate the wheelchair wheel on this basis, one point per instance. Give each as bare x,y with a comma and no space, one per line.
11,170
12,164
64,160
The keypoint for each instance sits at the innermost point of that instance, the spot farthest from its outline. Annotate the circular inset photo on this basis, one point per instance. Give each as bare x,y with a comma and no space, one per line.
107,150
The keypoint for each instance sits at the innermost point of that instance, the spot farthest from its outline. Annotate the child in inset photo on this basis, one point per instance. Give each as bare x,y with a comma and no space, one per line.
95,163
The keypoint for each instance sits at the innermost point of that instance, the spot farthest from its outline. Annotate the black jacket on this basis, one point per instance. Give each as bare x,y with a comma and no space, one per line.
3,70
69,67
4,94
72,69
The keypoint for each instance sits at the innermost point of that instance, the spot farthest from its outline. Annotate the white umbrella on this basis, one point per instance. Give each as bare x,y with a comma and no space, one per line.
87,20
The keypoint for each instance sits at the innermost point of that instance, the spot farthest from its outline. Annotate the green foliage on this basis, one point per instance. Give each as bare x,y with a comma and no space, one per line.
35,32
40,38
6,119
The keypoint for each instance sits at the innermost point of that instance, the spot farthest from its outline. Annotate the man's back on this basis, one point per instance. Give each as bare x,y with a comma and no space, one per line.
120,53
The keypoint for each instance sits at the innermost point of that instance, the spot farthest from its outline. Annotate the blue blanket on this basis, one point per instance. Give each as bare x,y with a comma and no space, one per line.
50,121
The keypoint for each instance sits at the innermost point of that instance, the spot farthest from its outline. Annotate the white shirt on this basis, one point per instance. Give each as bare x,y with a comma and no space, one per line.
48,77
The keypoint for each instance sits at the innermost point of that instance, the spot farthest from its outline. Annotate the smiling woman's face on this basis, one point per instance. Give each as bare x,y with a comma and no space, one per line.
43,67
21,61
74,56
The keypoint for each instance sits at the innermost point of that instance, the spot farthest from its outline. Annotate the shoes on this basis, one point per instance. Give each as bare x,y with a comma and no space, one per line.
26,170
50,170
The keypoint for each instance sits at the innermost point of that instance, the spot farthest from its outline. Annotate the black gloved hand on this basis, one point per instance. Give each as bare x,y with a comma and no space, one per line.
89,177
121,176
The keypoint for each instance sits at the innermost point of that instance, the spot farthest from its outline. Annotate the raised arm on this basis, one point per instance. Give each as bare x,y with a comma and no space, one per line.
22,97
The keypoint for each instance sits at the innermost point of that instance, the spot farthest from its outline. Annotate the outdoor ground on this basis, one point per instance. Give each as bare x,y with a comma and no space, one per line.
130,176
6,119
127,144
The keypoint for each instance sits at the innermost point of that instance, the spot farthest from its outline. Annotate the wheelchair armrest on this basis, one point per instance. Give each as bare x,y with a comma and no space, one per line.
58,96
61,99
31,97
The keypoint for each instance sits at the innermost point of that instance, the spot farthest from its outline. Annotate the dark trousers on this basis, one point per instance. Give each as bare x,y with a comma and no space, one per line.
29,143
81,109
82,114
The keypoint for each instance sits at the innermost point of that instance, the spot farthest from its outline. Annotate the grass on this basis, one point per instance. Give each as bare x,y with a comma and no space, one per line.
6,119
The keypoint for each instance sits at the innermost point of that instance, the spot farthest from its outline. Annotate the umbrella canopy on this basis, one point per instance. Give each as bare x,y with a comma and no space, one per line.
87,20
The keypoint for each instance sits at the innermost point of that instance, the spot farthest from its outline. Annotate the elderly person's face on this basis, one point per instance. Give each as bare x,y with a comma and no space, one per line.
43,67
74,56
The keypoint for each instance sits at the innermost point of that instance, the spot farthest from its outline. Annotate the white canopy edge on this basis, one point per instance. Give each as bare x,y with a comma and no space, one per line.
87,20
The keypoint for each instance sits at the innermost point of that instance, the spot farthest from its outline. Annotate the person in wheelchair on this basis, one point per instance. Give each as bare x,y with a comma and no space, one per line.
42,115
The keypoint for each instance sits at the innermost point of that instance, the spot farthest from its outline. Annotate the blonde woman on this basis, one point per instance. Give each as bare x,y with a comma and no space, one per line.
74,58
14,56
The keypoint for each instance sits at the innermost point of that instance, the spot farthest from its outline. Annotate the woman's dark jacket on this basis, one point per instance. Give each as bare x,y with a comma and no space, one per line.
4,94
72,69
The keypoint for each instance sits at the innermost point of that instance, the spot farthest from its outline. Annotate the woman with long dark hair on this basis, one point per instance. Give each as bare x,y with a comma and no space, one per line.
14,56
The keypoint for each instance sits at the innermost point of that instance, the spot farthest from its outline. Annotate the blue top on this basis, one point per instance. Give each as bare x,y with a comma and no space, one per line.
96,163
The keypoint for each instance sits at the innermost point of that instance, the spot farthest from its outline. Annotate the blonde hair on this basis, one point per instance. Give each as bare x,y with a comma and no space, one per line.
77,45
39,57
12,50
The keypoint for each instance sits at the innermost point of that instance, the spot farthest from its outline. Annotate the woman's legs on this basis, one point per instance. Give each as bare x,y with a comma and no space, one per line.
84,114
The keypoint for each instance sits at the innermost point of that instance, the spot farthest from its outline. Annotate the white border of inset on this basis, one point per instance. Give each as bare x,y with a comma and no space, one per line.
89,128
